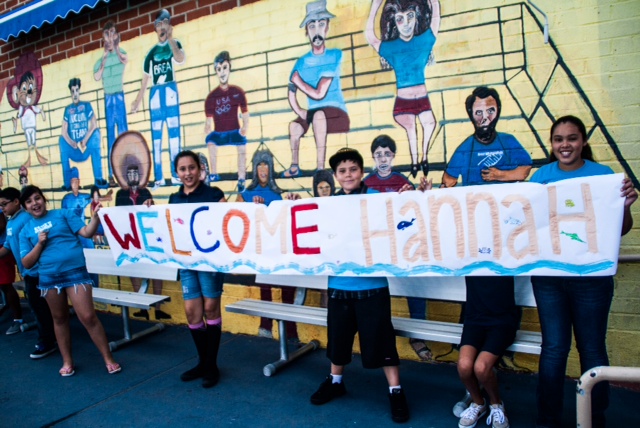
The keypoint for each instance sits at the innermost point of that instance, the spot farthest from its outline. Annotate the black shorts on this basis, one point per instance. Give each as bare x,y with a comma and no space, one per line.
494,339
371,318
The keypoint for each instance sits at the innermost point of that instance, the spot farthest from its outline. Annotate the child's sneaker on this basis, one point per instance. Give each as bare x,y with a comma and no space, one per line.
497,418
462,405
470,417
15,327
399,407
328,391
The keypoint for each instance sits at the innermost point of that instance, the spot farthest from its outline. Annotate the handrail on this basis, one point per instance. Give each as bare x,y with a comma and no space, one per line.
590,378
546,22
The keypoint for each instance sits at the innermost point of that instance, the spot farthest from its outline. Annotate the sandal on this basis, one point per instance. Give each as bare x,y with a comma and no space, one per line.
67,371
414,170
421,349
292,172
114,368
424,166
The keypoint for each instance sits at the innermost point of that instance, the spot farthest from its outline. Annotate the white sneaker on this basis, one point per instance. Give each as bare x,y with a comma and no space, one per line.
158,184
470,417
176,181
497,418
462,405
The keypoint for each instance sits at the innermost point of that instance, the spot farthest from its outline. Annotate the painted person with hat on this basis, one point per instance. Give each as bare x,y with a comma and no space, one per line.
164,101
317,75
80,137
359,305
263,189
135,192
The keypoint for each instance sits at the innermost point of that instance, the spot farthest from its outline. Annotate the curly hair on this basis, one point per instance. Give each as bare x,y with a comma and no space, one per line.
388,27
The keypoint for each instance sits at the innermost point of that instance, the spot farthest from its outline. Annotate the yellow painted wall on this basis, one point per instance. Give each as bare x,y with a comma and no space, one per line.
597,40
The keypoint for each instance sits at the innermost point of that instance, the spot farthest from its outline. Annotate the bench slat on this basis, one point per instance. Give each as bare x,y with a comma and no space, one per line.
101,262
436,331
127,298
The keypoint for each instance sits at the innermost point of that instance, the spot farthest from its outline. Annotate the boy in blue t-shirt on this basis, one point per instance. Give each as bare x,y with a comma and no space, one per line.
359,305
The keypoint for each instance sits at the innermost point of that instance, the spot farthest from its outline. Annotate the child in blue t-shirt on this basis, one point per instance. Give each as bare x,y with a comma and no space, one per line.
50,239
359,305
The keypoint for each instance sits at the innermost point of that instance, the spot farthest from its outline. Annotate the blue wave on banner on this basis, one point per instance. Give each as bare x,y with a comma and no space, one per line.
388,270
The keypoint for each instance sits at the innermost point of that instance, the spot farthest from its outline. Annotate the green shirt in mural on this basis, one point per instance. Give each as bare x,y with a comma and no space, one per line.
159,63
112,74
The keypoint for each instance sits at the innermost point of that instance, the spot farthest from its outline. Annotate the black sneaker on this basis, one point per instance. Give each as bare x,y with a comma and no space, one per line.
328,391
42,352
399,408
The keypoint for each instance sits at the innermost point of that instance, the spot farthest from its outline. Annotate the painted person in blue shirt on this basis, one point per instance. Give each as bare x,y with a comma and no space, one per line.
569,303
50,240
409,29
359,305
18,217
487,156
201,290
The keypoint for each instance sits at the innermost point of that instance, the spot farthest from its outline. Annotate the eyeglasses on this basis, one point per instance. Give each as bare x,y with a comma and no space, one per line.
388,155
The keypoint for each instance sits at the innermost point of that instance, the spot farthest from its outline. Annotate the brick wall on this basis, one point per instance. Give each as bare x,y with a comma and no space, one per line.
82,33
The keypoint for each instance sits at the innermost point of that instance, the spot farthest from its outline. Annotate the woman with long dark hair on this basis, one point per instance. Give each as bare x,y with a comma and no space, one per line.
573,303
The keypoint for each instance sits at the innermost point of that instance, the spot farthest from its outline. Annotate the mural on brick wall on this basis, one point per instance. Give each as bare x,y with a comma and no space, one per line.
80,137
110,70
317,76
408,34
23,93
164,100
222,126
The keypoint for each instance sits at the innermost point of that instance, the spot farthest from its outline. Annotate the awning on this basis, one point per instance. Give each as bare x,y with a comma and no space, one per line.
38,12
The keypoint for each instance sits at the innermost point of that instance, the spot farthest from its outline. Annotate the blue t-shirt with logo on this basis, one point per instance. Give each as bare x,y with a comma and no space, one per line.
62,251
504,153
12,243
77,117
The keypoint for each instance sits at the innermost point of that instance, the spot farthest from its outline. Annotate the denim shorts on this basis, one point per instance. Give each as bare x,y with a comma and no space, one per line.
60,280
196,284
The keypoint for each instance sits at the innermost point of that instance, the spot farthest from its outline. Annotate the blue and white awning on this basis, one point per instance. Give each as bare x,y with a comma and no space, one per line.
38,12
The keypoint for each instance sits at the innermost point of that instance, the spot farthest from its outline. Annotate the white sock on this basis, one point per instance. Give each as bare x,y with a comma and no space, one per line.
336,378
391,388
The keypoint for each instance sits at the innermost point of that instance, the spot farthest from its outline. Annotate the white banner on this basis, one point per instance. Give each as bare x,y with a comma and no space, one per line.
565,228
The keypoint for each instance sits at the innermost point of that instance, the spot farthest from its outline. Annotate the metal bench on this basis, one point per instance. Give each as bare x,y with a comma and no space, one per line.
434,288
101,262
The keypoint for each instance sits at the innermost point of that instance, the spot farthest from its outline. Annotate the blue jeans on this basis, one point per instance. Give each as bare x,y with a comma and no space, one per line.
581,303
116,116
164,107
69,154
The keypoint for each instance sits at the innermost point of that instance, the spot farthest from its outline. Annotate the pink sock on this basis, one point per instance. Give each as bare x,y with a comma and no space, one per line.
217,321
199,326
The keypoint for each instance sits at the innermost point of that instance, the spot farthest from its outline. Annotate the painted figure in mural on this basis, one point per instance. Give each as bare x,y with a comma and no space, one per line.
487,156
80,138
77,202
264,190
23,174
110,69
221,108
490,316
408,29
96,198
317,75
131,163
23,93
385,179
164,102
574,304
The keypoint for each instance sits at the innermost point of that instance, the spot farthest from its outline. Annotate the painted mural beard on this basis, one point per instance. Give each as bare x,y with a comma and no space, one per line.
317,38
486,134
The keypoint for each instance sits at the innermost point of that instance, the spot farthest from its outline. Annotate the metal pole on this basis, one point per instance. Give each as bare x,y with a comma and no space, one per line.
590,378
